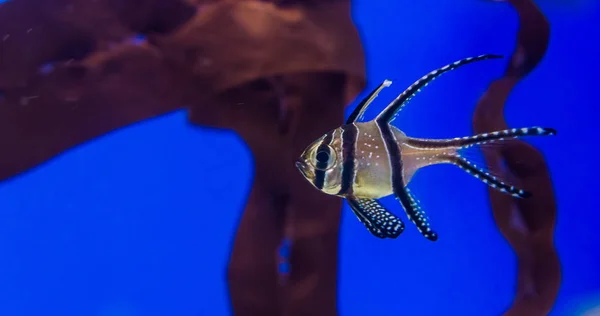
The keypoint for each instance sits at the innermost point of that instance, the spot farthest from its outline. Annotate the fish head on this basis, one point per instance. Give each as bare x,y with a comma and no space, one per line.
321,162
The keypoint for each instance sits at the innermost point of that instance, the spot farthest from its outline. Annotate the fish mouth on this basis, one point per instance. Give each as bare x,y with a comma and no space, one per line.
302,166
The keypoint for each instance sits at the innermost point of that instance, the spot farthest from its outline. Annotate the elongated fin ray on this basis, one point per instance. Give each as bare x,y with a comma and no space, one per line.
487,178
378,220
417,215
480,139
362,106
390,112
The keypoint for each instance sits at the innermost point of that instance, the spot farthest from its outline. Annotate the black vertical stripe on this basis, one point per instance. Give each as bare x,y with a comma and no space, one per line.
349,134
402,193
319,180
395,157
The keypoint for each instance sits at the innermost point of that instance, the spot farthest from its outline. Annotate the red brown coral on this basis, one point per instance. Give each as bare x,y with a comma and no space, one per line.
527,224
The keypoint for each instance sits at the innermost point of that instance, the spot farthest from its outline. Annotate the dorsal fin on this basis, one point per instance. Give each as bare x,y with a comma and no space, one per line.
389,113
362,106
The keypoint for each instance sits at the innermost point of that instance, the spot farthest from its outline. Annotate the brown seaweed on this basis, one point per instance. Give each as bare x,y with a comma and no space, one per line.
74,70
69,72
527,224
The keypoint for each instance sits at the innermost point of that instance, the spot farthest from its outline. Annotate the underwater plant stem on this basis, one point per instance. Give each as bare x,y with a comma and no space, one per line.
527,224
252,270
282,204
315,102
81,101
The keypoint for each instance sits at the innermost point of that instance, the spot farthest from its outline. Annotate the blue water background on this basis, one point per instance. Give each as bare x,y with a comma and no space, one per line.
127,224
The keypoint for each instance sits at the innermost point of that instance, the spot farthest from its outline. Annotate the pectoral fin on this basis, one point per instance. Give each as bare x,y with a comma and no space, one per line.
378,220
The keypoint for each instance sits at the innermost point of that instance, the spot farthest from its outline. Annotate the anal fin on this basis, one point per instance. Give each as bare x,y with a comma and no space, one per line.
378,220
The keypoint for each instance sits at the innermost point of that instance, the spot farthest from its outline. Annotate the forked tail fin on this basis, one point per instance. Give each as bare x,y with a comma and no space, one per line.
456,154
495,180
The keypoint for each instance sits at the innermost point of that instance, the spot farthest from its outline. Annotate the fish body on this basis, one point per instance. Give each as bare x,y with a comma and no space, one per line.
365,161
371,160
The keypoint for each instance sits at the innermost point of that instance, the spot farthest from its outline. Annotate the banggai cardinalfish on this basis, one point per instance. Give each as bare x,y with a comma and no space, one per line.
365,161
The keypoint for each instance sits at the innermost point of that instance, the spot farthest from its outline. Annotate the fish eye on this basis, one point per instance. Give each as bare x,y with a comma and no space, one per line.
324,158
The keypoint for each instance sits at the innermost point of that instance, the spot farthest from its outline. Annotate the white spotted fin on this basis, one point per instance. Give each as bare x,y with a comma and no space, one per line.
378,220
486,138
389,113
495,179
418,216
